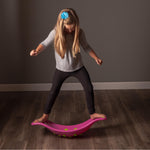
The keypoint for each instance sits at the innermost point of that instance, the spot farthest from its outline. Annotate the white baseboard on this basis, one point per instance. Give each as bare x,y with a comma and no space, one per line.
75,86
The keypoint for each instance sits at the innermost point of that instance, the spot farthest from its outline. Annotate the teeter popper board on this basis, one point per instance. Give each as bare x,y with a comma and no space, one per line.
68,130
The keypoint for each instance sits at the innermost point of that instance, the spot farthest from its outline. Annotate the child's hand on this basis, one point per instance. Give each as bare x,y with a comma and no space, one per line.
33,53
98,61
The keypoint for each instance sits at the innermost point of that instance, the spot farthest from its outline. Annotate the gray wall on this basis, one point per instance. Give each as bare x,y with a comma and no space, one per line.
118,31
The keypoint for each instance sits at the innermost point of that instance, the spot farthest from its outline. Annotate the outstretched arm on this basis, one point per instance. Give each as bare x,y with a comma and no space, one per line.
44,44
95,57
88,48
38,50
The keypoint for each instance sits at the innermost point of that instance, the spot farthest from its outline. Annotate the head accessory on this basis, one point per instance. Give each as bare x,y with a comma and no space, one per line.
64,15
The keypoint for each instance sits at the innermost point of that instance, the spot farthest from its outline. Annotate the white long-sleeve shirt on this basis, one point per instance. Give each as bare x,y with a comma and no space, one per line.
68,63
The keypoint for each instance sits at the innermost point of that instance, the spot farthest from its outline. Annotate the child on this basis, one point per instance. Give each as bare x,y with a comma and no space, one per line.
67,37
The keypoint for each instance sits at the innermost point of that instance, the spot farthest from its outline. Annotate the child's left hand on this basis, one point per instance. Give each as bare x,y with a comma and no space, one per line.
98,61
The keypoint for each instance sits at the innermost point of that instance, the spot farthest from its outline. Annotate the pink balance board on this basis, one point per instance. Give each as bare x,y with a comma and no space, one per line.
68,130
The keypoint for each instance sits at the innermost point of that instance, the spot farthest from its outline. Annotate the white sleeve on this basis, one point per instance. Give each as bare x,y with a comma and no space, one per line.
49,39
84,42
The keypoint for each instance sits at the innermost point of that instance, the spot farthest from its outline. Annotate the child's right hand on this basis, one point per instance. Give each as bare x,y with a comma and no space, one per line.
33,53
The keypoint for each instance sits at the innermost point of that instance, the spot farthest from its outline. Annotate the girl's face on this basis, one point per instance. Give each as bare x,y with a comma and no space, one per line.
69,28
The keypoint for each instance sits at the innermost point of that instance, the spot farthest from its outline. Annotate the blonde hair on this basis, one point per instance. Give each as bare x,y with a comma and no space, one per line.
60,41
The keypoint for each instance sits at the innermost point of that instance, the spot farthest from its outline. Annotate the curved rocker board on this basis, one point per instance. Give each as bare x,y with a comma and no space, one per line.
68,130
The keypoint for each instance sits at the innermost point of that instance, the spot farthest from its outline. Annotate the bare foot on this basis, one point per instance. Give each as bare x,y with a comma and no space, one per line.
96,115
42,119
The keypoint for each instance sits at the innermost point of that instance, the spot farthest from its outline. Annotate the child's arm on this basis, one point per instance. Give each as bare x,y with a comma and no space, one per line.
87,48
44,44
38,50
94,56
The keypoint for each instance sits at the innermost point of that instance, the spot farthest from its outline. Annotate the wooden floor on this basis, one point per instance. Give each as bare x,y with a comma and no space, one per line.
127,126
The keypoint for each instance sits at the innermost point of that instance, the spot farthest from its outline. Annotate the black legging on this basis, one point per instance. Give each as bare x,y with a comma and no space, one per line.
59,77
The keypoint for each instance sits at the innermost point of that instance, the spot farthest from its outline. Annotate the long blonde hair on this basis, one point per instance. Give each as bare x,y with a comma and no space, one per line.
60,40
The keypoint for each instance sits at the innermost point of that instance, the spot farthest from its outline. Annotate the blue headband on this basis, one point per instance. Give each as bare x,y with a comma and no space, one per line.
64,15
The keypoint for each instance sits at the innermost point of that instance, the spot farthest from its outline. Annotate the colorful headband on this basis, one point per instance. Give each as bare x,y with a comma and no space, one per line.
64,15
